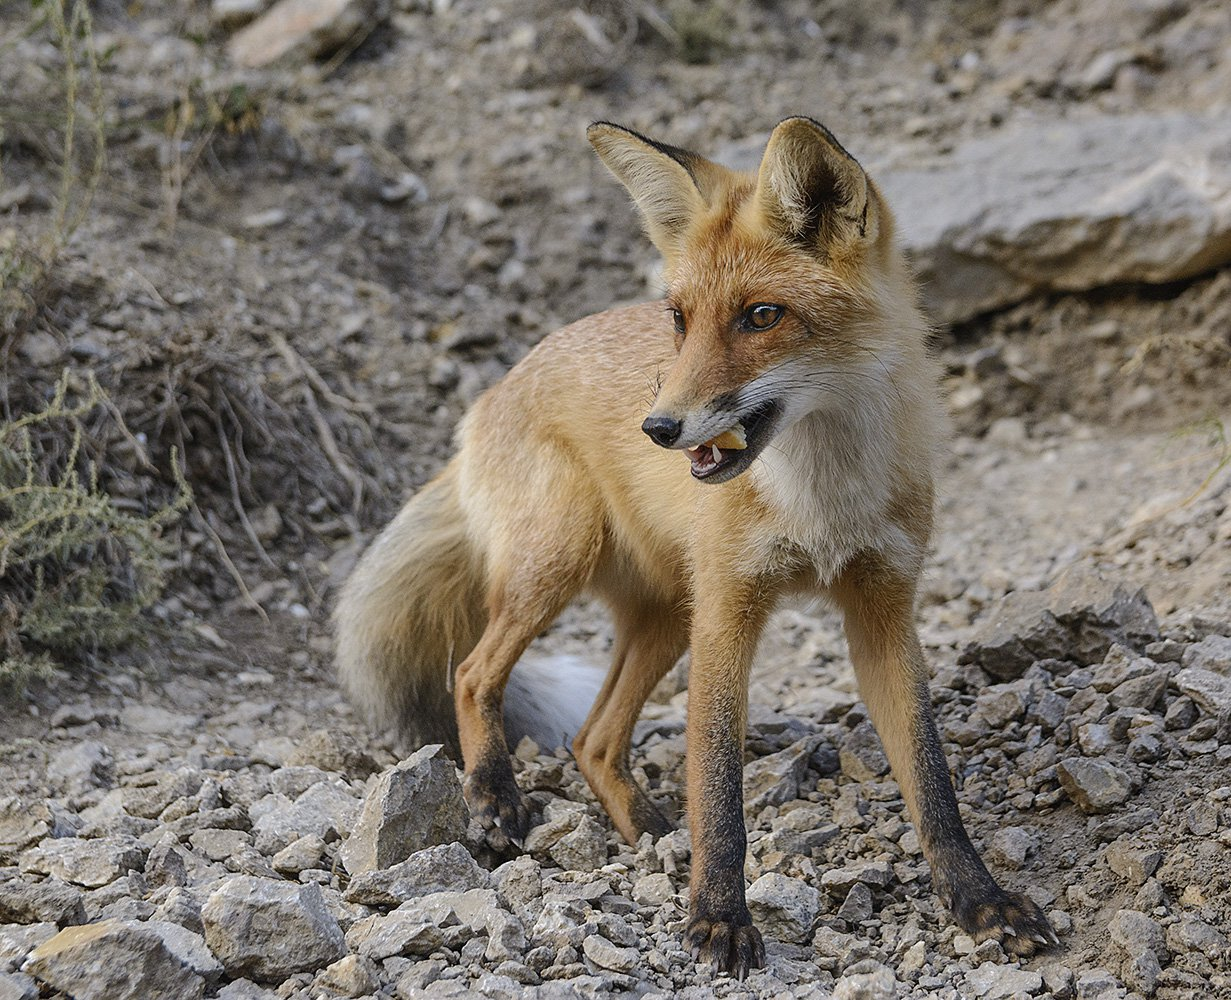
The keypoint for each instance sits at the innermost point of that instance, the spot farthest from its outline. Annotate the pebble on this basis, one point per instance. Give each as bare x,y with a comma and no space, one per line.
1095,786
783,907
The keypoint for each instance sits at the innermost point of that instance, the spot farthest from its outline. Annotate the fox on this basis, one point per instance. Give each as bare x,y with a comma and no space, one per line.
789,450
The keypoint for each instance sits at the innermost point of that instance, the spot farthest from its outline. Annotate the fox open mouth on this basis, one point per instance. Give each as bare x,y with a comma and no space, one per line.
731,452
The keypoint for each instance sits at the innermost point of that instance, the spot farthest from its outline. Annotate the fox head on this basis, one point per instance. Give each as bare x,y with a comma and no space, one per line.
779,284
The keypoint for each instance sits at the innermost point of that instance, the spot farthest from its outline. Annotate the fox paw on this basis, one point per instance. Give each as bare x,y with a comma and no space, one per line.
1011,918
499,809
728,946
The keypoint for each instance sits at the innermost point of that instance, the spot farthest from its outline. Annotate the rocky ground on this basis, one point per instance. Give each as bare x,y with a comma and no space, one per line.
210,819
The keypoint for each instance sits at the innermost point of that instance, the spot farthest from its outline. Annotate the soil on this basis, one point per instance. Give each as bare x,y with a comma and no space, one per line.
411,219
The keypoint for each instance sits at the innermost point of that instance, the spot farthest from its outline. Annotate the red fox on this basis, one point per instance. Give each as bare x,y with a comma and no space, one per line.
790,449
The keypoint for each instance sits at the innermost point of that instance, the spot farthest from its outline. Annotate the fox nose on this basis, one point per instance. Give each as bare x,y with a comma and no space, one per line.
663,431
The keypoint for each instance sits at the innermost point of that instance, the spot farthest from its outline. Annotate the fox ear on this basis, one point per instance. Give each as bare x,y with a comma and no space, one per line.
670,186
813,189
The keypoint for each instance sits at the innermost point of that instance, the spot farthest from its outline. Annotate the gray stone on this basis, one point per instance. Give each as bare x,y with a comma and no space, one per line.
245,989
1078,618
1190,934
152,720
653,890
1181,714
219,845
161,790
1144,691
518,883
434,869
583,849
352,976
1059,979
861,756
22,825
299,855
17,986
1209,690
90,863
189,947
79,767
1093,785
1135,932
18,940
298,30
1131,863
400,933
994,981
879,985
606,955
1065,205
774,779
270,930
1212,653
784,908
165,865
413,805
857,906
838,881
1012,845
50,900
181,906
560,923
1141,971
112,960
333,750
420,926
1096,983
326,809
1001,705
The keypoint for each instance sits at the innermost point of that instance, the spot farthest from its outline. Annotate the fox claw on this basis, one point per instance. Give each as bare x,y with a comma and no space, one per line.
1011,918
500,811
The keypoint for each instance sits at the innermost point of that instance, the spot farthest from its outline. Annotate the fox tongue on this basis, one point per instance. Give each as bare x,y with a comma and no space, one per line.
705,455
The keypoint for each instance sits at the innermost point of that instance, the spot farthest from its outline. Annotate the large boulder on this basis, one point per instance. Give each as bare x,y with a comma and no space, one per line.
1066,205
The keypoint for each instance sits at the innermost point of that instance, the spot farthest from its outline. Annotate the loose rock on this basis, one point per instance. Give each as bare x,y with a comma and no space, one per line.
415,805
112,960
269,930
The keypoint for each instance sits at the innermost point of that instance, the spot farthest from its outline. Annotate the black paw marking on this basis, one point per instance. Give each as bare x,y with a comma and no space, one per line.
730,946
498,806
1011,918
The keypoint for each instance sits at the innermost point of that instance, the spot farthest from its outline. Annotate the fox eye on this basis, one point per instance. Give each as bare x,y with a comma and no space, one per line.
763,315
677,318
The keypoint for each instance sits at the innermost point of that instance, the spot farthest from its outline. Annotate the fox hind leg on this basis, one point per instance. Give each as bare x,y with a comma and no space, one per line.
549,555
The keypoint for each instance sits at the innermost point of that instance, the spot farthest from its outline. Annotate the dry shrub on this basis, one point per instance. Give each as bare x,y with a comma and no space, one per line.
78,566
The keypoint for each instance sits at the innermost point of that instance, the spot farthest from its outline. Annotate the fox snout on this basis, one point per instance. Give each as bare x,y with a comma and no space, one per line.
663,431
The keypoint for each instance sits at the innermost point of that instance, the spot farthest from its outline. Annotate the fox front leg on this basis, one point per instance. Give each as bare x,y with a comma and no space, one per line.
878,602
725,631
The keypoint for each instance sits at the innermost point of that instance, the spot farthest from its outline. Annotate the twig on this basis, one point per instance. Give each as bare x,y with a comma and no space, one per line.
297,360
236,500
221,549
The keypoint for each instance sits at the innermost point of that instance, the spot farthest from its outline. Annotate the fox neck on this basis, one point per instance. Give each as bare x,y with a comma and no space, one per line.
830,478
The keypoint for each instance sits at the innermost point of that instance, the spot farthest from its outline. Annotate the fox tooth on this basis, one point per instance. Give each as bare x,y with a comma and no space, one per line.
717,455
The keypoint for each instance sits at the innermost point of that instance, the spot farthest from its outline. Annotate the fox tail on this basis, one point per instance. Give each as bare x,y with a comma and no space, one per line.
415,607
